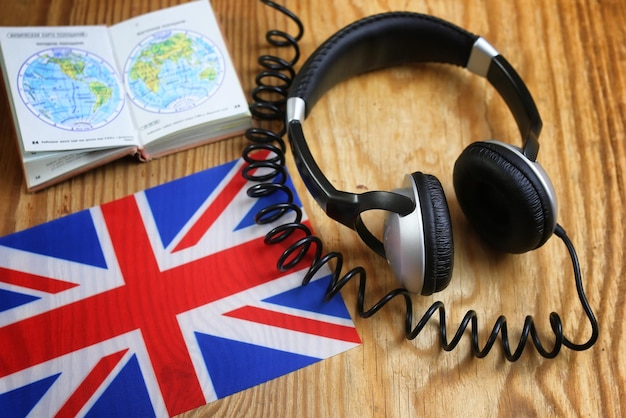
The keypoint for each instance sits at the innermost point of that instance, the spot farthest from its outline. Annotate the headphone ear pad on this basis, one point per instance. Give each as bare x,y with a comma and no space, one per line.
506,201
419,246
438,239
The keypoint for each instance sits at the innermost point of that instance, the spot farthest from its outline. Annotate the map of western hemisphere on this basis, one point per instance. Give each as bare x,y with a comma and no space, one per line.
173,70
70,89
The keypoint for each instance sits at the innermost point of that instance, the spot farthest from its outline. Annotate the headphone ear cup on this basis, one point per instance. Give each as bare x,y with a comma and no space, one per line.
507,198
419,246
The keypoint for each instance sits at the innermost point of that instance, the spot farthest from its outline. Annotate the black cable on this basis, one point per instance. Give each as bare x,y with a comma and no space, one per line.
269,95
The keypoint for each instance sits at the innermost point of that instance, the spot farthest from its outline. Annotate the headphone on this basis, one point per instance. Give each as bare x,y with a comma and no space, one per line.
503,191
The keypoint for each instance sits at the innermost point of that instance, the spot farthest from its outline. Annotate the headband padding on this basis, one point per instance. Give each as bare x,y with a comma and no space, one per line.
502,198
438,240
378,42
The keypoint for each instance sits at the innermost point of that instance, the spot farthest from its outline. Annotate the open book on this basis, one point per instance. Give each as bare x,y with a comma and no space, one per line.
82,96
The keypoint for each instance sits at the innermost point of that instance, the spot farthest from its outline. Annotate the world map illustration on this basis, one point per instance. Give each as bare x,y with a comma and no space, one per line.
70,89
173,70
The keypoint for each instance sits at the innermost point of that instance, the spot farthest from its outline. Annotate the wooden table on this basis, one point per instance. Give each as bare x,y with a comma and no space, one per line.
371,131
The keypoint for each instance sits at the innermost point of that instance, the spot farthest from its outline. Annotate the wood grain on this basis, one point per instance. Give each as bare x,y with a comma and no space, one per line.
367,134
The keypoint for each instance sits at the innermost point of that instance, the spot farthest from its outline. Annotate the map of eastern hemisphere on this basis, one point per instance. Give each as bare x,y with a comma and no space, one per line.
70,89
173,70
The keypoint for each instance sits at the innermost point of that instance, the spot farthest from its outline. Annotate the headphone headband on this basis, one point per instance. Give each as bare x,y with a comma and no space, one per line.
382,41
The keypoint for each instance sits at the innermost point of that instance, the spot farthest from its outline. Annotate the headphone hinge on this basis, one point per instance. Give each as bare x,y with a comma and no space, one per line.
531,147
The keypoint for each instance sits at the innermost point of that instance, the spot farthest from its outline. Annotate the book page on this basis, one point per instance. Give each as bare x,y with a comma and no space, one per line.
65,89
176,70
43,168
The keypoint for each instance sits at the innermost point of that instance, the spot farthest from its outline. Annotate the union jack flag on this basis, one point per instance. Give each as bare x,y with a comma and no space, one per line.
155,304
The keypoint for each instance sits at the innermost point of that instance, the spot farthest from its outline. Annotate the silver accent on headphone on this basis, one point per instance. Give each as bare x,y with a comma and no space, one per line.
480,57
403,239
541,174
296,109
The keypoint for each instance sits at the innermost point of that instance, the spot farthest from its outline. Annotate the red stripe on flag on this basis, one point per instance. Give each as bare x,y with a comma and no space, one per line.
210,215
296,323
31,281
88,387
